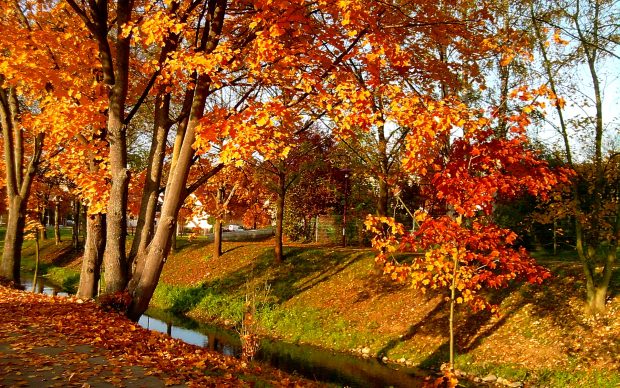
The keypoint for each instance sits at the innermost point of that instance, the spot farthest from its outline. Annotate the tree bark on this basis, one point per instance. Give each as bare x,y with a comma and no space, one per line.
43,230
35,277
93,256
75,230
217,239
13,239
57,222
144,282
217,228
145,279
18,180
384,163
384,198
279,253
150,194
115,258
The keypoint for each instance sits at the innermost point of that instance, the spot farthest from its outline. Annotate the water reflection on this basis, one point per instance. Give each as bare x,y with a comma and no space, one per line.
42,286
210,340
312,362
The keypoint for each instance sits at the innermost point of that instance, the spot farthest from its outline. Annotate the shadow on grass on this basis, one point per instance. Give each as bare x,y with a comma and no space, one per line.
471,328
434,319
303,269
548,301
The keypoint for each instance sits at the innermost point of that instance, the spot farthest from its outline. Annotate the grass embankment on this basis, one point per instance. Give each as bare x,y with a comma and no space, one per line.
58,263
334,298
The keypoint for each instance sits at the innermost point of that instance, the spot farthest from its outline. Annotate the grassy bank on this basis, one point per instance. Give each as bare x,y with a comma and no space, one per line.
335,298
58,263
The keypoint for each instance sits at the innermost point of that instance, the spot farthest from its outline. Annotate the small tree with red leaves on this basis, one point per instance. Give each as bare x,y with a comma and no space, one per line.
461,250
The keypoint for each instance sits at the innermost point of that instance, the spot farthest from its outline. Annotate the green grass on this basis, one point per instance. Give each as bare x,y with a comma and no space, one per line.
223,299
66,278
543,378
294,323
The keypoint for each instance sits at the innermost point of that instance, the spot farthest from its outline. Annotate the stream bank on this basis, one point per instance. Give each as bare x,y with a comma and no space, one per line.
305,360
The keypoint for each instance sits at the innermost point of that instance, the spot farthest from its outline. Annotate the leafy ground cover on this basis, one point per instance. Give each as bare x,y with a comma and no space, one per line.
336,298
55,341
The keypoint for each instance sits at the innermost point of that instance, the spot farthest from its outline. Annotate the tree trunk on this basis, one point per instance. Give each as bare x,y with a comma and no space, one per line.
452,303
217,239
144,282
146,277
93,256
597,286
57,222
43,230
75,230
596,297
18,192
115,66
279,254
13,240
114,258
35,277
384,198
217,228
150,194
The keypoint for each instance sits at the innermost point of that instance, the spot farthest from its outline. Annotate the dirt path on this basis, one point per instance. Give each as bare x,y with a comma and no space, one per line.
50,341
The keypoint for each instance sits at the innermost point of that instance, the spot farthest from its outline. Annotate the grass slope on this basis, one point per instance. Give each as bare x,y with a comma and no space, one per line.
335,298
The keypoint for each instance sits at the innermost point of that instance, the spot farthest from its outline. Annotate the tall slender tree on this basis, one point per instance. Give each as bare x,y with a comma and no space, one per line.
581,37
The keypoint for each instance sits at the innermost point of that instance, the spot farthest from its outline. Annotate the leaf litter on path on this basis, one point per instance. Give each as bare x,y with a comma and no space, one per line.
50,341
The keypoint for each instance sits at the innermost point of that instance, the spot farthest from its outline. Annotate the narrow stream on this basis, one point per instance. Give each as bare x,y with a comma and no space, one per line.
309,361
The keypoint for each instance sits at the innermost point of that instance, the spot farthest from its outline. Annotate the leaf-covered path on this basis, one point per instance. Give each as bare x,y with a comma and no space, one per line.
48,341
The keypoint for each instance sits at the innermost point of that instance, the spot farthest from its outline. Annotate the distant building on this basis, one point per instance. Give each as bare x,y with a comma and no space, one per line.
200,222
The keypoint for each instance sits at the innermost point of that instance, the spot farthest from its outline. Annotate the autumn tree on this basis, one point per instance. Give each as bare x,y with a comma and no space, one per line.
314,193
461,250
37,44
228,80
253,203
260,52
279,175
580,38
215,198
114,55
464,159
